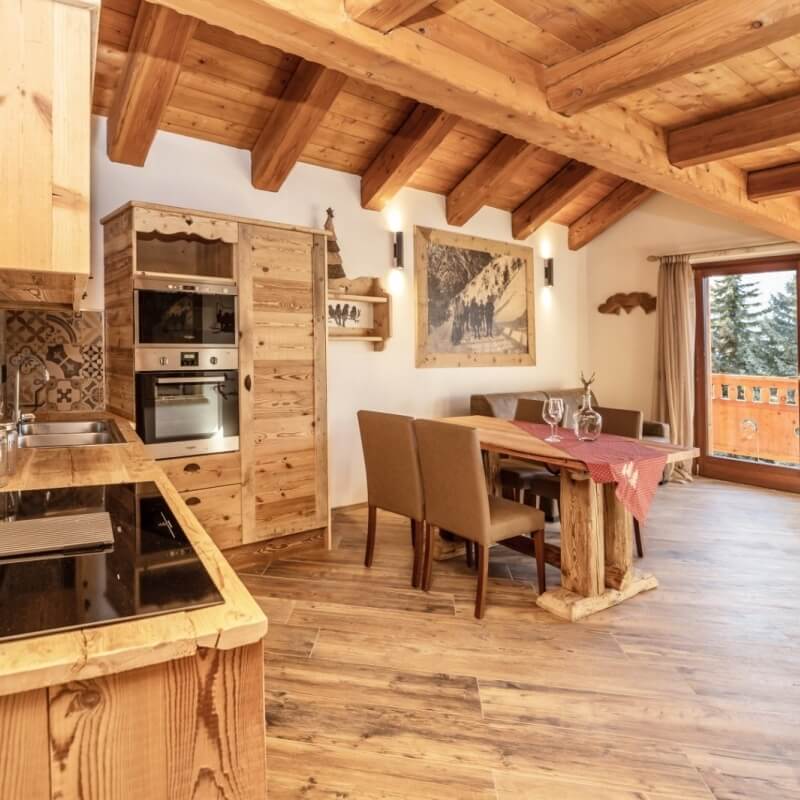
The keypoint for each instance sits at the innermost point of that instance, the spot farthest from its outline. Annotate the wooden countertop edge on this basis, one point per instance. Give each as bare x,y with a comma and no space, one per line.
50,659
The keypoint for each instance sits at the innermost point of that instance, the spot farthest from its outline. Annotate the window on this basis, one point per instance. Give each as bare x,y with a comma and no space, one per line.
791,397
756,394
740,393
725,391
773,394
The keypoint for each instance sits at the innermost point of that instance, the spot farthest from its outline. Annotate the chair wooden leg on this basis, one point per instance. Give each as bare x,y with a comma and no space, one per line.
419,552
483,580
469,553
413,532
371,522
427,570
538,538
638,535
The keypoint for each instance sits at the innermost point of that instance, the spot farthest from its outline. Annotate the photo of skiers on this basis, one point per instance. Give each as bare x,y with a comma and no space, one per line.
478,297
344,315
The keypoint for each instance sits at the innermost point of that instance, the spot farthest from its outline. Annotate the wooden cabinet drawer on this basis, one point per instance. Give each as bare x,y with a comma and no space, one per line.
219,511
203,472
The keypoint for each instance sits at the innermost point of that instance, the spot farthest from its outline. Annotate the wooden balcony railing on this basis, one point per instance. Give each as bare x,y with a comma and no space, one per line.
756,417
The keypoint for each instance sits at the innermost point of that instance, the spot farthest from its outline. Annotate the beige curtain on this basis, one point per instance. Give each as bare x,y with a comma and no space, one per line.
675,355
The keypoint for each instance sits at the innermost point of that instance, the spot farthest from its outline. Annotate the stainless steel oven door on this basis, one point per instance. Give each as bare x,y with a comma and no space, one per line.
190,413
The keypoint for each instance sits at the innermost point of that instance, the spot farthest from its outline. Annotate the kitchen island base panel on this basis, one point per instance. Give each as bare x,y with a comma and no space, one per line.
573,607
191,727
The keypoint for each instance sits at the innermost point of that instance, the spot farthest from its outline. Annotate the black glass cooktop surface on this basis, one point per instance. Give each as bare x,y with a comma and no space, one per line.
151,568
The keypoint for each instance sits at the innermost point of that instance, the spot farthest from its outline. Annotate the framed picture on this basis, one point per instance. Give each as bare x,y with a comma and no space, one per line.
474,301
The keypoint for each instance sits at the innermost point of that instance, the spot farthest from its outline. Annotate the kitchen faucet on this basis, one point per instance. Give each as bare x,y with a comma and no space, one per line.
16,417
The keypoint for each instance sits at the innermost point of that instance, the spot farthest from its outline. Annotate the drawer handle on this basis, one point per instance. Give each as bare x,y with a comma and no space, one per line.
248,382
192,501
192,467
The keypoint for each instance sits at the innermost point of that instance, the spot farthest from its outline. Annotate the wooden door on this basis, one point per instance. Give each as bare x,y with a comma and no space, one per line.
283,432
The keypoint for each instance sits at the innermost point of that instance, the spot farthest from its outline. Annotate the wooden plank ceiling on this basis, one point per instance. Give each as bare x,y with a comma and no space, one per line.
720,58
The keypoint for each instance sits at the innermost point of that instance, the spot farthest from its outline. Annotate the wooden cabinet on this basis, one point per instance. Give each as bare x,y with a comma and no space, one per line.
277,485
282,301
46,65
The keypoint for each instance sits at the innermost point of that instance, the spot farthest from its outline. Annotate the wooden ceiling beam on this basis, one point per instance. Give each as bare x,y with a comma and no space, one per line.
158,43
473,85
688,39
780,181
564,187
748,131
384,15
305,101
610,210
475,190
404,154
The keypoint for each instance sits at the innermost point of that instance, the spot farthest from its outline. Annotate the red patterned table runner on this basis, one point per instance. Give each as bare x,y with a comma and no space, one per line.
632,465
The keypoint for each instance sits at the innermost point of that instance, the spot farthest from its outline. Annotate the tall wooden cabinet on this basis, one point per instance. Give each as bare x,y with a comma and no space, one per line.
275,490
47,50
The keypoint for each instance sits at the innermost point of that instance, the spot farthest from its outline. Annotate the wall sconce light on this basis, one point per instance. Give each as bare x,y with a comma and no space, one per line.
397,250
549,279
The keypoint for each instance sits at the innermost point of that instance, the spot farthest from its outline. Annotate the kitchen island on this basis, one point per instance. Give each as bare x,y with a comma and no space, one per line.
164,706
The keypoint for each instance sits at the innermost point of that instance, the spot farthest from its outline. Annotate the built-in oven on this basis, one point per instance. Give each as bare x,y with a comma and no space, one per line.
188,411
169,312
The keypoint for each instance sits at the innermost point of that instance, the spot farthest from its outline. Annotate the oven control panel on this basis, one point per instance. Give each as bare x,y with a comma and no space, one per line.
159,359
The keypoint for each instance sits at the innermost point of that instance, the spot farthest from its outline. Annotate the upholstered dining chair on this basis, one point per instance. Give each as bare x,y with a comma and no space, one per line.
394,481
616,421
456,500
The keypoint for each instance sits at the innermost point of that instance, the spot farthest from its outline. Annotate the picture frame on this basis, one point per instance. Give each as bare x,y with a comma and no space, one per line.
475,301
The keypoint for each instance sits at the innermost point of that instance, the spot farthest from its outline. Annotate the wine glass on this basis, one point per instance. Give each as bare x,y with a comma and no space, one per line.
552,414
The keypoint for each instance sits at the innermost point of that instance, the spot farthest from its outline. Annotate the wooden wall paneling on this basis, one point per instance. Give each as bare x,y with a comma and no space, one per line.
746,131
549,199
158,43
284,464
307,98
383,15
607,212
418,137
192,727
119,259
774,182
475,190
25,753
697,36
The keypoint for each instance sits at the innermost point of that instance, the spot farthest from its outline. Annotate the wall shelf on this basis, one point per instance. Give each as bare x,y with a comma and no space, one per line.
362,290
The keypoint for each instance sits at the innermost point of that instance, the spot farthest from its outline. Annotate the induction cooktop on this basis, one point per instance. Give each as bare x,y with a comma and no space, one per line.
150,568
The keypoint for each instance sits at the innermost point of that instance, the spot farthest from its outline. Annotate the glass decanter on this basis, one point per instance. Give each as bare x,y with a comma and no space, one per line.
587,422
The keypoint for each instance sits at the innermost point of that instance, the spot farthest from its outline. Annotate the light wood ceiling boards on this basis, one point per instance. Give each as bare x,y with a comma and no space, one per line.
610,137
383,15
230,90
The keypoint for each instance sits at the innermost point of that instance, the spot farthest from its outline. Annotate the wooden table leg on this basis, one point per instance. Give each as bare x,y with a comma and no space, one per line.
596,551
492,466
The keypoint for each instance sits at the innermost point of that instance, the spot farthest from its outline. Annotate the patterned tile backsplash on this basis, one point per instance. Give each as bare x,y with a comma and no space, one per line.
70,346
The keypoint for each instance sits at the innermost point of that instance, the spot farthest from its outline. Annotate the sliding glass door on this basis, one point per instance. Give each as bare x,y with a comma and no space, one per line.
748,417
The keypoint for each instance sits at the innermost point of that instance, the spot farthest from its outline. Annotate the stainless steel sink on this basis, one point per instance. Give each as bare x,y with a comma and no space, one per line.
69,434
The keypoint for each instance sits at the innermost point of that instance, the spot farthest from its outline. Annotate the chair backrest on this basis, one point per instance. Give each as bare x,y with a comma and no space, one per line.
452,474
529,410
622,422
394,481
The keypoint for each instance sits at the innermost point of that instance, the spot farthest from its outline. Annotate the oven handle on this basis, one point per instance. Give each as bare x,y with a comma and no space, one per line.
212,379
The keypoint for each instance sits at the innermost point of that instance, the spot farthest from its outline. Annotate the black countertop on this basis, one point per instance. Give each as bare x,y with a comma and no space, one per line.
151,568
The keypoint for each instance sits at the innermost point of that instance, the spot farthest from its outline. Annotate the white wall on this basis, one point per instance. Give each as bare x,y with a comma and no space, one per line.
622,348
188,172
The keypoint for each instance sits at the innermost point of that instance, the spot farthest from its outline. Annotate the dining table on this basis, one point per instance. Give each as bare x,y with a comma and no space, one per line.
602,483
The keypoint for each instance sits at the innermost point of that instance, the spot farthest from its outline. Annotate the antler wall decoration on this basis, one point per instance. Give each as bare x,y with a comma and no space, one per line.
627,302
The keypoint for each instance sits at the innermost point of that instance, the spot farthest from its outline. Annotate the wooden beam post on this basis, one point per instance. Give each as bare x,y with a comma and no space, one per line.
305,101
688,39
770,125
384,15
567,184
476,188
476,87
155,53
624,199
405,152
774,182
